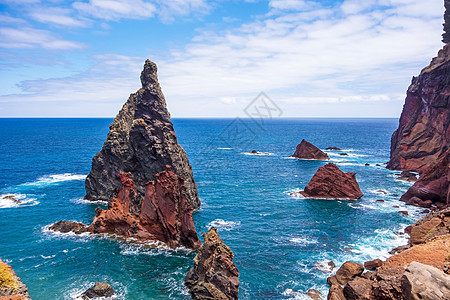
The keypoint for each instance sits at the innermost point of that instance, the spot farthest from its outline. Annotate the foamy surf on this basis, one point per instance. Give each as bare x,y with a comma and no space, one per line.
303,241
221,224
53,179
84,201
17,200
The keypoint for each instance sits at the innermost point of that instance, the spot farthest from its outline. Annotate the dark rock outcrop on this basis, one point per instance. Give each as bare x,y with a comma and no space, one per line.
11,287
422,141
165,214
373,264
68,226
306,150
141,141
331,183
333,149
214,275
99,290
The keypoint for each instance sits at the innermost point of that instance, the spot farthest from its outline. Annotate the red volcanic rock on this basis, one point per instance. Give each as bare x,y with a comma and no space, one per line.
330,182
421,142
306,150
165,214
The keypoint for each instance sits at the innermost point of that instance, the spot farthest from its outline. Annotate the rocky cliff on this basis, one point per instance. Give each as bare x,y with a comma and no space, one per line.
165,214
11,288
421,142
141,142
330,182
214,275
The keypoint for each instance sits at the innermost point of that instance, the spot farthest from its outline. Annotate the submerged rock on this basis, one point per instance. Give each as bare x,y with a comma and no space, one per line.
11,287
333,149
141,142
99,290
12,198
324,266
214,275
331,183
407,176
421,142
165,214
314,294
306,150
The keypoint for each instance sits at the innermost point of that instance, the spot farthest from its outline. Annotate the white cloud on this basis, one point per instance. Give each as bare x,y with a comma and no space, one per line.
292,4
57,16
335,61
116,9
140,9
26,37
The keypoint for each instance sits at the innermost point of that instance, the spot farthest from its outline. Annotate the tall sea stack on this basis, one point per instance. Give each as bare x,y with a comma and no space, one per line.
422,141
141,142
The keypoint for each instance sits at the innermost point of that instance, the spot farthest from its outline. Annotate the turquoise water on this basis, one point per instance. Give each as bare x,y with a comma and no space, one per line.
276,238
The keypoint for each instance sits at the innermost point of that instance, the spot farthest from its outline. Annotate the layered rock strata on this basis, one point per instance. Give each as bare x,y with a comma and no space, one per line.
306,150
165,214
329,182
422,141
214,275
141,142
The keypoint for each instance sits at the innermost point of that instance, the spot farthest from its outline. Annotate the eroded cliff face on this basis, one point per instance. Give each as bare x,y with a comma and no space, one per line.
165,214
141,141
421,142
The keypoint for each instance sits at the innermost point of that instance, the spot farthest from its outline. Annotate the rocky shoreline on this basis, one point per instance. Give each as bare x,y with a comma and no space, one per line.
11,287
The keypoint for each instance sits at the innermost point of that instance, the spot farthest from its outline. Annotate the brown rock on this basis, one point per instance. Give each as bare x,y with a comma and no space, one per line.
336,292
348,271
373,264
314,294
379,200
165,214
358,289
306,150
331,183
420,233
388,283
141,141
214,275
403,212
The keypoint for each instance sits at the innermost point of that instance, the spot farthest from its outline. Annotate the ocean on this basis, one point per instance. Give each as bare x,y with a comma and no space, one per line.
276,238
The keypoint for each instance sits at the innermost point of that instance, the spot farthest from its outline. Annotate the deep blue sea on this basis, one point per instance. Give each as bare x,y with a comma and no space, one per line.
276,237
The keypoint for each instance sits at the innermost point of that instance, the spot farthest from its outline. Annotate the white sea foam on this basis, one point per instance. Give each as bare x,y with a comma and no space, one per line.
221,224
84,201
25,200
224,148
53,179
303,241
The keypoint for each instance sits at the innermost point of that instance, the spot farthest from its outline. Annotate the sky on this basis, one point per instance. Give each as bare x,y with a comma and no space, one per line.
328,58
